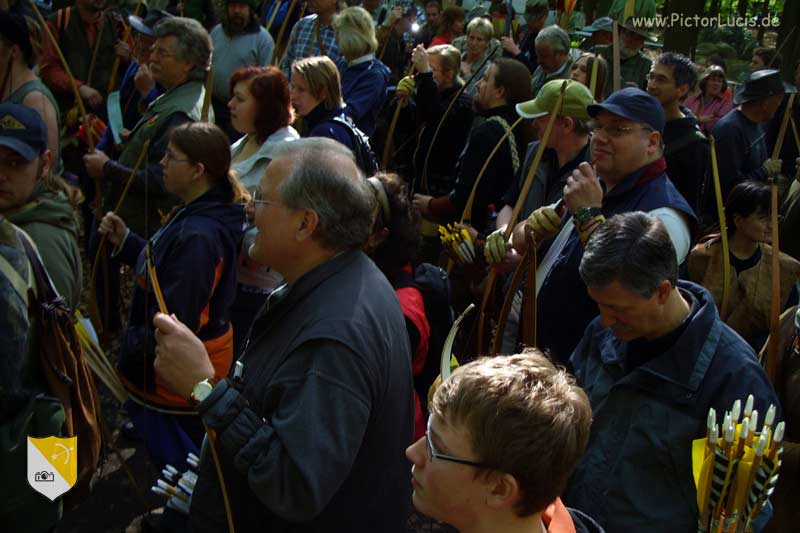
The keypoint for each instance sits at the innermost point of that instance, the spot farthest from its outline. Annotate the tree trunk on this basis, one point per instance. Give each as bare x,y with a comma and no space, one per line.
790,20
764,14
680,38
715,7
742,8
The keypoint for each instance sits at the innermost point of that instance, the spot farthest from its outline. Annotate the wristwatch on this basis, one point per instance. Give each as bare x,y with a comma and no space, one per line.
202,389
583,215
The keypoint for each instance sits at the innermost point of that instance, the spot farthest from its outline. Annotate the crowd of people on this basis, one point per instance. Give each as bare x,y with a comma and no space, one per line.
253,201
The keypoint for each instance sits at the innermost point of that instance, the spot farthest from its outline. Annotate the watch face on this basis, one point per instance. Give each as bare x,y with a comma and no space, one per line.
202,390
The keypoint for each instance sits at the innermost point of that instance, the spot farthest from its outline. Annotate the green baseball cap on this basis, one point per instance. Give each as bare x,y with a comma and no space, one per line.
576,99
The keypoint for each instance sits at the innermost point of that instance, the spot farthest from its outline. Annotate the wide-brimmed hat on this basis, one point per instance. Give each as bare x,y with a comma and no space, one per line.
713,70
762,84
637,29
147,24
599,24
576,99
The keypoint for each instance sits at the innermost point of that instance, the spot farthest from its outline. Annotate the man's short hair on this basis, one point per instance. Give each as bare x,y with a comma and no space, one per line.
555,38
355,32
193,43
524,416
339,194
770,57
683,71
633,249
514,77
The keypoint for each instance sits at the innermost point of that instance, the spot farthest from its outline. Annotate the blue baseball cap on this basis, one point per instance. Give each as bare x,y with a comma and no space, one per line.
22,131
633,104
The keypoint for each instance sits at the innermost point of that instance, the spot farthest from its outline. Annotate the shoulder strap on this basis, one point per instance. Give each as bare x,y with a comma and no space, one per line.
512,141
20,285
46,289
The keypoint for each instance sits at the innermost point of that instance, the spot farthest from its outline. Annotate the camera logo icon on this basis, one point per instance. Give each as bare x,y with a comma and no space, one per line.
45,476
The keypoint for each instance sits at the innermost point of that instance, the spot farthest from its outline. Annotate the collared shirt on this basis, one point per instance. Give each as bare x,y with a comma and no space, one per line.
715,110
309,38
540,77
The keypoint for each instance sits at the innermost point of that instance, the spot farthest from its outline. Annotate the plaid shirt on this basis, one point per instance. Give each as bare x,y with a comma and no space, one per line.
304,42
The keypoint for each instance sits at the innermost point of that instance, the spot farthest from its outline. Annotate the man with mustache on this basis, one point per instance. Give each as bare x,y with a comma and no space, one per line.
239,41
629,174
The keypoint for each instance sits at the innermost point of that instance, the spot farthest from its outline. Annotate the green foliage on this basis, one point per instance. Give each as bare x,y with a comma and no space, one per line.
730,42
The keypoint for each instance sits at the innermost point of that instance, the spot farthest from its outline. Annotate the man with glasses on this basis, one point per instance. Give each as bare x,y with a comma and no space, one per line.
629,174
179,63
310,430
504,436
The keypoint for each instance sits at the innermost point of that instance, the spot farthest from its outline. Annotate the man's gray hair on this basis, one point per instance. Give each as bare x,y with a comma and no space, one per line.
633,249
338,193
553,37
193,43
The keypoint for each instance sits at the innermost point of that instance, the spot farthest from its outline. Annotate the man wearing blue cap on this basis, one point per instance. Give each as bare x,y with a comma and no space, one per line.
35,200
629,174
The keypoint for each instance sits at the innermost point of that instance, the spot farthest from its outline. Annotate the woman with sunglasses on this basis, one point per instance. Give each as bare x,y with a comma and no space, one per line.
193,259
747,212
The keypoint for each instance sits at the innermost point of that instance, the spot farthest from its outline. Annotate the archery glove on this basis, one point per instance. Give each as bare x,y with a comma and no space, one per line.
544,222
405,87
495,248
772,167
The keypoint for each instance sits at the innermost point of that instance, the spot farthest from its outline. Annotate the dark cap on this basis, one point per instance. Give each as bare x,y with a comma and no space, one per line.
761,84
14,30
22,131
145,25
633,104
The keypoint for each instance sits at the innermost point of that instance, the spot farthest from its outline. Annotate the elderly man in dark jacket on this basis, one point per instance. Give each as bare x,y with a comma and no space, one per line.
653,363
311,427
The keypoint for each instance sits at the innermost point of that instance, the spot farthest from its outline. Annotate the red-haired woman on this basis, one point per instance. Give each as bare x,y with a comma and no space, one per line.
261,110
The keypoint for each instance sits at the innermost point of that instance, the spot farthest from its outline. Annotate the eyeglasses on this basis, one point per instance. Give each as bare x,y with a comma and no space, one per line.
161,52
169,157
451,458
615,131
259,200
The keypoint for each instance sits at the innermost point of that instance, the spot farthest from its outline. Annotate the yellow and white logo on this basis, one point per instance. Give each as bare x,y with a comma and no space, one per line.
52,465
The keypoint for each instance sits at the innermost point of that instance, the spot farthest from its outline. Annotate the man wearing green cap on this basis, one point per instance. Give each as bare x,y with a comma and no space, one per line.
567,147
239,41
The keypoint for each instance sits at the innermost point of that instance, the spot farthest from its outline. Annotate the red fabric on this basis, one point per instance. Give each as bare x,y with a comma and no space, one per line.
441,39
653,170
413,307
556,518
50,68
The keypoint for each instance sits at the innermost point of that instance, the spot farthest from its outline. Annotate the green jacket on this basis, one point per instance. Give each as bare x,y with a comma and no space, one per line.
634,69
51,222
177,106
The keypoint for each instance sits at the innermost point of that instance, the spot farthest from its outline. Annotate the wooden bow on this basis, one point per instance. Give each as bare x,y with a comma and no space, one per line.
523,195
775,308
723,232
387,149
209,91
278,5
112,80
281,31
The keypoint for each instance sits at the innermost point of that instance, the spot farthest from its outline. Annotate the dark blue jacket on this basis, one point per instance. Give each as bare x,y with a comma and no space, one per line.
636,474
364,92
566,306
312,438
742,149
320,123
195,256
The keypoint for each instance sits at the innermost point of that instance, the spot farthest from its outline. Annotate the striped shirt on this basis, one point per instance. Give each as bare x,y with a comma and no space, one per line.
305,41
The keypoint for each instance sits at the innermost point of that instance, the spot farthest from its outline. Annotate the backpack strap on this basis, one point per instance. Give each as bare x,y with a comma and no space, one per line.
47,290
20,285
